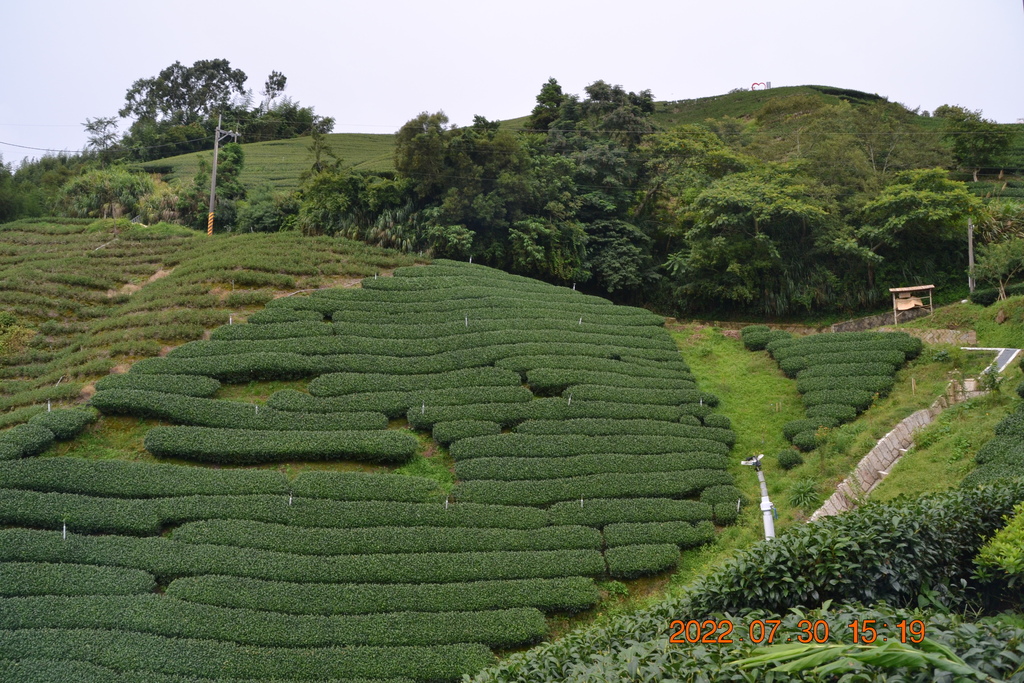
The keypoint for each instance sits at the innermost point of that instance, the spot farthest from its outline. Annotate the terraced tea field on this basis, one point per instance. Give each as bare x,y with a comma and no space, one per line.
580,446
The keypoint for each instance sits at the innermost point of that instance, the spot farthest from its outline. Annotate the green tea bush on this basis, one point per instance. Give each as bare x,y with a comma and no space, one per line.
807,440
413,329
340,384
364,486
724,493
682,534
243,367
1011,425
206,412
676,369
718,421
792,366
186,385
458,310
757,337
547,491
560,594
849,370
511,468
508,414
446,433
595,392
167,616
788,459
632,561
605,427
987,297
395,404
598,512
556,380
64,423
81,514
557,445
725,513
24,440
132,651
383,539
881,385
123,479
168,559
41,578
251,446
283,315
877,552
832,411
794,427
857,398
1020,389
282,330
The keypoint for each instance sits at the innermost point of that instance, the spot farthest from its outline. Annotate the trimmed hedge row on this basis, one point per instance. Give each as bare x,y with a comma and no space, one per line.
857,398
250,446
24,441
394,404
881,385
404,348
342,383
681,534
166,616
792,366
208,412
47,671
794,427
120,478
416,330
281,330
511,468
563,445
281,314
186,385
354,486
128,651
547,491
145,515
849,370
490,308
632,561
44,578
169,559
987,297
596,392
445,433
507,414
560,594
64,423
556,380
669,368
841,343
757,337
606,427
600,512
382,539
287,365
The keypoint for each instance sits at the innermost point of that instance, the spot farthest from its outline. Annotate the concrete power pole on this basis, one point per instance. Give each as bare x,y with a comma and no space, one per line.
970,255
217,137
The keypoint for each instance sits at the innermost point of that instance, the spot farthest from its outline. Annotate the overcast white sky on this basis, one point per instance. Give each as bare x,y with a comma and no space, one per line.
374,65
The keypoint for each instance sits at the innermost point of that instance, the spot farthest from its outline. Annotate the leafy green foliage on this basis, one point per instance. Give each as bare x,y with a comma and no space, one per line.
65,424
788,459
25,440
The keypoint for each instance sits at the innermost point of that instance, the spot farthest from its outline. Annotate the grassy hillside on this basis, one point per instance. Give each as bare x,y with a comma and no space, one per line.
279,163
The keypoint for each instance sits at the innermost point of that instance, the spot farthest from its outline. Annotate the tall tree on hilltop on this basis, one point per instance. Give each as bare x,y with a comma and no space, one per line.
976,142
185,94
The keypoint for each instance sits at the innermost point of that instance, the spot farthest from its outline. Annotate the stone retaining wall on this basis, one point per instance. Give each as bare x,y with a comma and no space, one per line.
890,448
954,337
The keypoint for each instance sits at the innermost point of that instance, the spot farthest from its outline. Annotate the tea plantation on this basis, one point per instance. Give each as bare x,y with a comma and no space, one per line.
580,444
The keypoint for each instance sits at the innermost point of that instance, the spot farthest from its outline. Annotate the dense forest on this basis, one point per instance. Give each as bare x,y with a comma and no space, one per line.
813,203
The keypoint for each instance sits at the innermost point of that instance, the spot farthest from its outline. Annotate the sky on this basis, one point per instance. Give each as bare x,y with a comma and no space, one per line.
375,65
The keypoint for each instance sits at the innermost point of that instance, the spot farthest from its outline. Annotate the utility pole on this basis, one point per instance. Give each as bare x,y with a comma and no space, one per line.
217,137
767,509
970,255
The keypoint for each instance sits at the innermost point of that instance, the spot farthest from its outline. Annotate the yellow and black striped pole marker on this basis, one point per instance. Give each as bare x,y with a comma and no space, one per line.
209,224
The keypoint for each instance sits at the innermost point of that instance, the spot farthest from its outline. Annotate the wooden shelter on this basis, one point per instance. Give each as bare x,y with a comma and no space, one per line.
909,298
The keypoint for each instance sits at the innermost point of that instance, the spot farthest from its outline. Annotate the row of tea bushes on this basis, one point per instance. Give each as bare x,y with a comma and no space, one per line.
839,374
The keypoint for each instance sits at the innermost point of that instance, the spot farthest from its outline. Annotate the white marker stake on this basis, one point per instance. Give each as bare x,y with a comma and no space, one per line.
231,320
467,321
289,497
423,408
570,399
445,503
581,501
64,533
47,405
581,320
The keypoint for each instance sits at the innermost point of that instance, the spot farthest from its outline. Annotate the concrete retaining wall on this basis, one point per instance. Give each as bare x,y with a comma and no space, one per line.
954,337
874,467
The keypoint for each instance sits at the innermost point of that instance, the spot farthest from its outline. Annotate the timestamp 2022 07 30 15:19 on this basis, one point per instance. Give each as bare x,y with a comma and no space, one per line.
768,632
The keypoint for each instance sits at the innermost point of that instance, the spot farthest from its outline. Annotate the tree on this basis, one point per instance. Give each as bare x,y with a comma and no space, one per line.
549,102
273,87
922,212
185,94
419,151
102,134
1000,262
976,142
